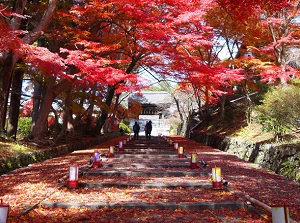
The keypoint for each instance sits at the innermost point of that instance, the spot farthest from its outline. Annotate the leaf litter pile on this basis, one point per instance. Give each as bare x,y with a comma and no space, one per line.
27,188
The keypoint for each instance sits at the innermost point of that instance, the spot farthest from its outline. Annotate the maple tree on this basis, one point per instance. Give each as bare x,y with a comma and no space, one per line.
109,31
99,47
268,30
258,45
11,55
92,53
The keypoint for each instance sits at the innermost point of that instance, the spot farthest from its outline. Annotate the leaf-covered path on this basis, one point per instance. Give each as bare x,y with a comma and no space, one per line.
146,182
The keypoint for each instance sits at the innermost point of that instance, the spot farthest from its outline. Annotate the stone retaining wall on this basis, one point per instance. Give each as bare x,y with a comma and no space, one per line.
12,163
283,159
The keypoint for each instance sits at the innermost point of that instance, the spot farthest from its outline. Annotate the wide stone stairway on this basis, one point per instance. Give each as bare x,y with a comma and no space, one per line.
150,175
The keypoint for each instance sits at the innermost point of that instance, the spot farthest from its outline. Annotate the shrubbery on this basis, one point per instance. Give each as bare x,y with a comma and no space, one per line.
24,126
279,112
125,126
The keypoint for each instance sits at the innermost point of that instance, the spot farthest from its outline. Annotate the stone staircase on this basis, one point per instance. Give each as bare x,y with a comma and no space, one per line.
148,174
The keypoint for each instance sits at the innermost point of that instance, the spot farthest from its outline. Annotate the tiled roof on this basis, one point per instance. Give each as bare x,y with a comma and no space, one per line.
153,97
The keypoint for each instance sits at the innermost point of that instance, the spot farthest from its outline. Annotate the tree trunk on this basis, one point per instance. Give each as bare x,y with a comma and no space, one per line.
104,114
186,127
8,64
113,118
91,108
67,126
5,81
78,118
38,130
39,91
43,24
56,129
180,114
111,93
15,98
222,106
37,101
40,127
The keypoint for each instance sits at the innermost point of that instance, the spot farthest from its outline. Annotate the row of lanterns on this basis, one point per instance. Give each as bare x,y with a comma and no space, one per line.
216,171
279,214
180,151
73,176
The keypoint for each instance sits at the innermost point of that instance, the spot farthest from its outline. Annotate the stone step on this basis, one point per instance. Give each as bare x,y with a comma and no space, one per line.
153,152
144,173
148,160
143,185
144,205
148,149
147,144
146,156
145,165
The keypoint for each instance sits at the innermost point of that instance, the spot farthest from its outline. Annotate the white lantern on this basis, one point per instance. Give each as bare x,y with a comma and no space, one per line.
4,208
180,152
175,146
111,153
193,161
280,215
216,178
120,145
73,177
97,159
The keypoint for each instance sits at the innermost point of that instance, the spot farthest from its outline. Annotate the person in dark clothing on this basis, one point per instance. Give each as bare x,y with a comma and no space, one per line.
148,129
136,129
121,131
145,129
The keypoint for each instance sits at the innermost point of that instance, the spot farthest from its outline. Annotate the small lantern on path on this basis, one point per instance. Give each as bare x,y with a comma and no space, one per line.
194,161
73,177
216,178
280,214
175,146
170,142
120,146
111,153
180,152
4,208
97,159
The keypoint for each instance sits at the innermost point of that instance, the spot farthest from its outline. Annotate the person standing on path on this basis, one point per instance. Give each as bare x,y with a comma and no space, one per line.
136,129
145,129
148,129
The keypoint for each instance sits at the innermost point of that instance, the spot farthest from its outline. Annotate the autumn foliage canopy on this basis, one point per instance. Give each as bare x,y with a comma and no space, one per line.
104,45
